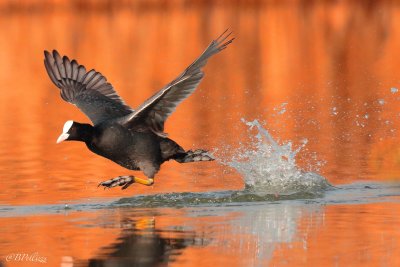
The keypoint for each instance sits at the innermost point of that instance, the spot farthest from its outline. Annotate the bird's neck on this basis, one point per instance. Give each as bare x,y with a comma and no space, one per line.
85,132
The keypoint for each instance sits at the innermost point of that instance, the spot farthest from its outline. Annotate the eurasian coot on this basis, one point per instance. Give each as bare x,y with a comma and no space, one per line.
134,139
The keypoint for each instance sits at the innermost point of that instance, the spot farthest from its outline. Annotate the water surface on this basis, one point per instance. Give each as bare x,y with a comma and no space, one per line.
301,111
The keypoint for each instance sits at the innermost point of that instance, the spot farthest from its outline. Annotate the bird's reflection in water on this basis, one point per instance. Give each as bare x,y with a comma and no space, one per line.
141,244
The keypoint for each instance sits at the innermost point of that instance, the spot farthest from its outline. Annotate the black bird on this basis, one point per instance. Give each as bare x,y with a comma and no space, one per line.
134,139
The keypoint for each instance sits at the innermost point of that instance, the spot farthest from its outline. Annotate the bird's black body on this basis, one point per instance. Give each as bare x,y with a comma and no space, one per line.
134,150
131,149
124,146
134,139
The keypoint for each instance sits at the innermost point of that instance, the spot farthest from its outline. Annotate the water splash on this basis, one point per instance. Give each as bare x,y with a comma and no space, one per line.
270,168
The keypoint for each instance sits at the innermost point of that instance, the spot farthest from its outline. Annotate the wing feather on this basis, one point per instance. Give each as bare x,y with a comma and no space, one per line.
89,91
155,110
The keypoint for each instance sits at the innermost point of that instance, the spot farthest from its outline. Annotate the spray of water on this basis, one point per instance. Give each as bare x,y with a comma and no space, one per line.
270,168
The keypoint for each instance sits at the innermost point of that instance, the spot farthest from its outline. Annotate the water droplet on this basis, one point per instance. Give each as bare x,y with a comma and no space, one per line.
394,90
281,109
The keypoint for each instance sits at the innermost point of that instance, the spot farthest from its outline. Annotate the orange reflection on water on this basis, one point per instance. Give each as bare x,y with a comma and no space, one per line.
350,235
334,235
333,62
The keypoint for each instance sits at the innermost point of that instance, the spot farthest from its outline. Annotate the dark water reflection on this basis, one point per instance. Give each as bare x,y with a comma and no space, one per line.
140,244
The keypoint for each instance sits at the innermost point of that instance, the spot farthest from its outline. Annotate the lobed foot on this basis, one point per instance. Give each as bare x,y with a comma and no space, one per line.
125,181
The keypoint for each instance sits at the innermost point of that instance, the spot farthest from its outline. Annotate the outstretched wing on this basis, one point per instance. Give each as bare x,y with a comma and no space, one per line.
154,111
89,91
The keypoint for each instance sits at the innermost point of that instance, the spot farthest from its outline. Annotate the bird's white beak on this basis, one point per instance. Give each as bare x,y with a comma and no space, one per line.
62,137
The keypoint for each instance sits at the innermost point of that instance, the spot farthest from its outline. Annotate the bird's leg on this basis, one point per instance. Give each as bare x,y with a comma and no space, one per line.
125,181
148,181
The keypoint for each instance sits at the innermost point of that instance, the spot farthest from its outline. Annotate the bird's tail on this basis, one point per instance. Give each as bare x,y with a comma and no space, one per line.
194,156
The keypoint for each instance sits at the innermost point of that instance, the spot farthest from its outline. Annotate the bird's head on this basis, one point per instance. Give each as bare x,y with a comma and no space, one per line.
75,131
